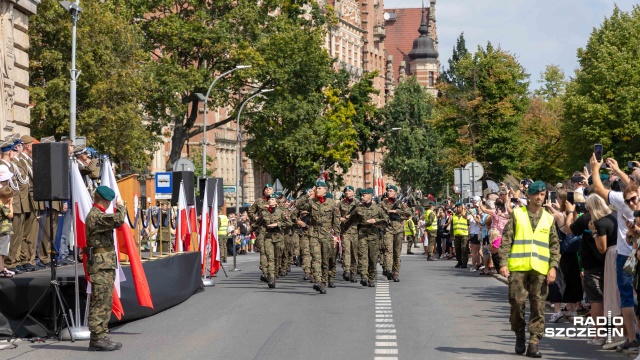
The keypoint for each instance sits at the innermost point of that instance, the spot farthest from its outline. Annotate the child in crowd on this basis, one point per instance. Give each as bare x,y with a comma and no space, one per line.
6,228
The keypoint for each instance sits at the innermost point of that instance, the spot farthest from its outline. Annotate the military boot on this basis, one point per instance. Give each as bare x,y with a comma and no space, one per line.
316,287
312,279
306,276
372,283
331,284
532,351
396,277
520,344
345,276
117,344
364,281
322,289
384,272
263,278
389,275
353,278
102,344
272,283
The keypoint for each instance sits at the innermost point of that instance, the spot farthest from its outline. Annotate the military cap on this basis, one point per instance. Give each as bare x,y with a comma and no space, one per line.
27,139
392,187
79,150
6,146
278,194
432,203
458,204
106,192
321,184
273,196
267,185
348,187
536,187
366,191
14,138
48,139
307,190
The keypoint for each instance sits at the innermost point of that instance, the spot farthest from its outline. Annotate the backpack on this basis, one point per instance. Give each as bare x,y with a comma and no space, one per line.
569,244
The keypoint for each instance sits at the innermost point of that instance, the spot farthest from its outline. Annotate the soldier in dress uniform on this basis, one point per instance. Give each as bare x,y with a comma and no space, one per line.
259,228
13,262
398,212
275,221
368,217
349,233
325,224
101,265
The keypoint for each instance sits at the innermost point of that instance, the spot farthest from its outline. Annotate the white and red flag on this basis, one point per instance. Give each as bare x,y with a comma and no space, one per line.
183,230
204,231
215,246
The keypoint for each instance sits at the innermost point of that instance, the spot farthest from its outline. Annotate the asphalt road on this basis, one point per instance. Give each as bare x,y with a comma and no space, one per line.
434,312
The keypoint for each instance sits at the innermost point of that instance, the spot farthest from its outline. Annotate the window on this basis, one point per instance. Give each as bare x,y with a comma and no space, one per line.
431,79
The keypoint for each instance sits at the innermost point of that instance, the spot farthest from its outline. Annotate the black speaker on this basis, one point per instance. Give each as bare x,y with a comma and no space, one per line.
188,178
211,183
51,171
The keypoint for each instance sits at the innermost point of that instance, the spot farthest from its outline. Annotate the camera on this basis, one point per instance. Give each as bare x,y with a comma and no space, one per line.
581,208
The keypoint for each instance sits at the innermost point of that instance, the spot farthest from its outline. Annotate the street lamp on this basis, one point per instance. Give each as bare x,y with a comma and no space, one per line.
204,99
239,139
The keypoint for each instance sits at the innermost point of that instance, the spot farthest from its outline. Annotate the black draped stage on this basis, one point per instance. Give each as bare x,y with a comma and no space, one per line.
172,280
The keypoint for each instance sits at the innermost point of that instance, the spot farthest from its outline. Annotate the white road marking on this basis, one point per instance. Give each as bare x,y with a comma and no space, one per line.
386,344
386,351
384,324
386,337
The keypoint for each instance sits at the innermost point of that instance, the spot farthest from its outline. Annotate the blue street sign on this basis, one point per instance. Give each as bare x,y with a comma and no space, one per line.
164,183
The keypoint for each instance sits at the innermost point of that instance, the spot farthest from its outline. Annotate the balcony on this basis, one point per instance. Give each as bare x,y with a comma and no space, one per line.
379,32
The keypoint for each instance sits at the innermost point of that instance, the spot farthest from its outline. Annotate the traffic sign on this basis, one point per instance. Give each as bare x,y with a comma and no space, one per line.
229,189
475,169
184,164
164,183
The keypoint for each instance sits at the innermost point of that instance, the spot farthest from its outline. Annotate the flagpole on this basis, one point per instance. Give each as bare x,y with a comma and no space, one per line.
208,281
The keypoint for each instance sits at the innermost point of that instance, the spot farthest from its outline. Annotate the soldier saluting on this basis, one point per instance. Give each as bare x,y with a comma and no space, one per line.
101,265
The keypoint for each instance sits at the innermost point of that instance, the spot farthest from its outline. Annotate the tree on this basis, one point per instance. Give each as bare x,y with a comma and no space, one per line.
602,104
480,112
414,154
366,121
459,52
542,154
110,89
194,40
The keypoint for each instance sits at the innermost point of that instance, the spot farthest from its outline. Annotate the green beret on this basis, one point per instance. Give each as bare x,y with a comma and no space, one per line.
458,204
273,196
392,187
329,195
307,190
321,184
537,187
432,203
106,192
267,185
278,193
366,191
348,187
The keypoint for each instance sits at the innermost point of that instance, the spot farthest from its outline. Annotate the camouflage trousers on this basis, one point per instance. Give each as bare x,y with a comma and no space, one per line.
392,250
431,236
411,240
263,256
100,303
296,243
533,285
223,247
305,252
274,250
287,258
367,256
350,250
323,260
461,243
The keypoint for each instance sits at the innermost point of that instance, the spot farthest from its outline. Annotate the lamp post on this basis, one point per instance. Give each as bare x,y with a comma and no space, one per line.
205,98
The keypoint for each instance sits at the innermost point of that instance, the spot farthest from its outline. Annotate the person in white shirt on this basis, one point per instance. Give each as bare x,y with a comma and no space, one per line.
474,234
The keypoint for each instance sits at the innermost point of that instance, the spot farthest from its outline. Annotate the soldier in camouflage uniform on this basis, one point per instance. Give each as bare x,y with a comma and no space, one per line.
398,212
287,255
275,221
325,224
349,232
259,228
101,265
304,221
368,216
529,284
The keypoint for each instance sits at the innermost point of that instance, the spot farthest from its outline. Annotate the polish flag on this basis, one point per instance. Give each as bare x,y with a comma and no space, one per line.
127,245
215,246
204,232
183,229
375,183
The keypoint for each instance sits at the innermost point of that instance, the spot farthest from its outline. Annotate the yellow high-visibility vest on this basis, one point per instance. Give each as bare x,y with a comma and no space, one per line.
434,225
460,226
222,227
530,249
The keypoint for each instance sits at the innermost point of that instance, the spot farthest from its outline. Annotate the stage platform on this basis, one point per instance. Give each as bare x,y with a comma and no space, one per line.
172,280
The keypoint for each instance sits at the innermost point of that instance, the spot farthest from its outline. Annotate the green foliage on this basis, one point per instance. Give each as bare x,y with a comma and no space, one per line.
479,113
602,104
414,154
366,121
110,88
195,155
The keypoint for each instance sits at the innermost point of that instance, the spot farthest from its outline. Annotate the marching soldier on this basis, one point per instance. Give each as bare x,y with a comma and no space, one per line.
349,232
324,225
304,222
431,225
275,221
368,216
394,235
13,262
259,228
529,256
101,265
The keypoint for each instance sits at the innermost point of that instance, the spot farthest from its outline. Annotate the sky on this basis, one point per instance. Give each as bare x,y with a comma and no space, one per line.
538,32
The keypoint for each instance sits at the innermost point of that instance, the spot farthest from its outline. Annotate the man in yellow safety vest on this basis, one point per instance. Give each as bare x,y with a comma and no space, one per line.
461,235
431,225
529,256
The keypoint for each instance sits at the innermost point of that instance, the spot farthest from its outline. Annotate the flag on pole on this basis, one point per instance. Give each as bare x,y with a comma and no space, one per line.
182,229
375,183
215,246
204,231
127,245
